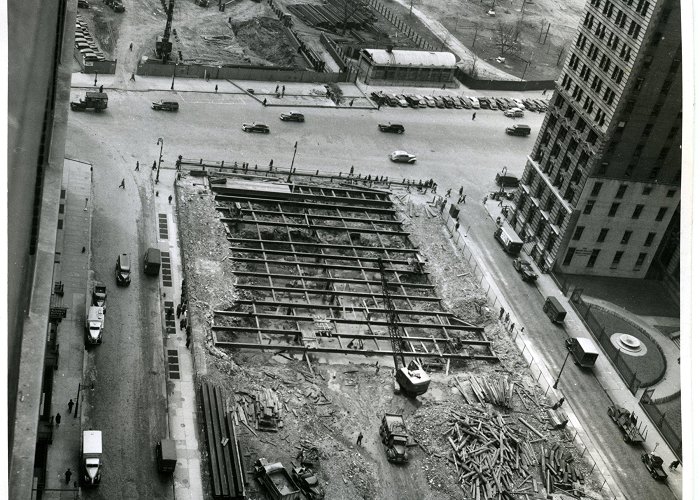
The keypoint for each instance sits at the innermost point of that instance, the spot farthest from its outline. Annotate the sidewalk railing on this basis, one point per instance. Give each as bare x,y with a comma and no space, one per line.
516,333
613,352
658,417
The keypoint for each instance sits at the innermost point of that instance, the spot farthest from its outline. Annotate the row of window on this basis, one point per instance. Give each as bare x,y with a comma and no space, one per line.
614,207
622,189
603,234
593,258
642,7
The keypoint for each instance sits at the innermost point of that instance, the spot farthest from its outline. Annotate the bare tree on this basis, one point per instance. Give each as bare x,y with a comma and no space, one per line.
350,7
506,38
470,65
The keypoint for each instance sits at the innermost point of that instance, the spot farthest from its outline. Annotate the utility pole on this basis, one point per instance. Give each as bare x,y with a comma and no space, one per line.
546,34
160,157
556,382
476,30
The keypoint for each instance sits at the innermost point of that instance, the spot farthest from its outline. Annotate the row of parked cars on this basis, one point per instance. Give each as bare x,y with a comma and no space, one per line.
84,42
457,102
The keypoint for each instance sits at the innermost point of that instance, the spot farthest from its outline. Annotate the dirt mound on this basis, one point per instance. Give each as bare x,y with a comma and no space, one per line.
265,41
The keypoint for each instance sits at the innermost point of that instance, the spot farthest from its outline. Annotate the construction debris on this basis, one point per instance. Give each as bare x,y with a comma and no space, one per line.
559,471
498,392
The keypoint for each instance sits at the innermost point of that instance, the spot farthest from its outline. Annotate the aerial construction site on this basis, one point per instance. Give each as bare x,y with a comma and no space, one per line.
332,305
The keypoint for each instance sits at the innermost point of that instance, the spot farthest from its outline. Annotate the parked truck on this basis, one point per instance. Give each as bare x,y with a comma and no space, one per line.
395,437
508,238
91,458
275,479
583,351
627,422
93,100
99,295
94,324
151,262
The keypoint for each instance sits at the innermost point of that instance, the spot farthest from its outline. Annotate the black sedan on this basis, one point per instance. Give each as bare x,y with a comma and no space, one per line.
395,128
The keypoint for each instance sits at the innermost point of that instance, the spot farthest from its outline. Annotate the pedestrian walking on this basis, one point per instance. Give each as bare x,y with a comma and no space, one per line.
189,339
182,323
352,169
58,419
277,89
283,89
137,166
121,185
178,310
376,368
271,162
507,318
674,465
133,78
216,89
68,474
101,87
170,199
359,439
500,202
83,251
131,46
461,190
558,404
544,92
500,314
473,116
154,165
512,325
449,192
265,102
352,102
70,406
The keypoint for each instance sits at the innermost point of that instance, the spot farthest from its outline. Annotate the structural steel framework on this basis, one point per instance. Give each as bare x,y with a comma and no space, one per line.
307,263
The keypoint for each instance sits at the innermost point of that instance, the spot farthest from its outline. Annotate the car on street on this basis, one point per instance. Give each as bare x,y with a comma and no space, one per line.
165,105
514,113
520,129
256,127
395,128
401,101
402,157
292,116
429,101
527,273
654,465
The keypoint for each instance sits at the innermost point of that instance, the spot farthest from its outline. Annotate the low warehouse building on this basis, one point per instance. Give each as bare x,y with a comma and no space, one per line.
407,67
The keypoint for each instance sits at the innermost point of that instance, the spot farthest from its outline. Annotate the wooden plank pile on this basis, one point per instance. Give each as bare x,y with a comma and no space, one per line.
491,456
559,471
497,391
267,410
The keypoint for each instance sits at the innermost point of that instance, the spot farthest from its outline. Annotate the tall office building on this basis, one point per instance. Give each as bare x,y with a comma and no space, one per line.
602,183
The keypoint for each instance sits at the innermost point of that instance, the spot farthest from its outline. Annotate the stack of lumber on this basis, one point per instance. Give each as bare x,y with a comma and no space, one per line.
559,471
497,391
491,456
267,410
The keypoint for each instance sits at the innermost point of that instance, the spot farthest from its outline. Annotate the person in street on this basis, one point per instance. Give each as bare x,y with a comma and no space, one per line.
674,465
137,166
133,78
265,102
558,404
500,315
277,89
189,339
461,190
359,439
58,419
216,89
121,184
154,165
283,89
170,199
101,88
449,192
507,318
68,474
352,101
131,46
178,310
473,116
271,162
70,406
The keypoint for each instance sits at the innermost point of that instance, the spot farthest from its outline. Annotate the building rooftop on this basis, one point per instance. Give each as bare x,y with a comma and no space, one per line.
411,58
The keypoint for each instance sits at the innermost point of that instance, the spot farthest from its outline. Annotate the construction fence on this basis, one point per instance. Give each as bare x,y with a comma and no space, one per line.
674,441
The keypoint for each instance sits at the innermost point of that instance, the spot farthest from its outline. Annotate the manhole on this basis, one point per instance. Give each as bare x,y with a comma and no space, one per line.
628,344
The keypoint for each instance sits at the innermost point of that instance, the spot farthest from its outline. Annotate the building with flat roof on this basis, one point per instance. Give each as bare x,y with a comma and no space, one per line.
419,68
602,183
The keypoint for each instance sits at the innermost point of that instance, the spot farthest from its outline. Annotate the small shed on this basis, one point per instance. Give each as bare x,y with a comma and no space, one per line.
420,68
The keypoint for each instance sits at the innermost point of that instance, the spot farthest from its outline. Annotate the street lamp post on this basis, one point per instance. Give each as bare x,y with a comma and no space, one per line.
291,167
172,84
556,382
160,158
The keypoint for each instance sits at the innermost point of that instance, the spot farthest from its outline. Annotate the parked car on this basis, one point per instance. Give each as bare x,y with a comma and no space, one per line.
412,101
466,102
392,100
429,101
83,4
514,113
654,465
395,128
484,103
448,102
256,127
421,101
527,273
292,116
439,103
402,157
492,104
308,483
456,102
165,105
402,101
518,103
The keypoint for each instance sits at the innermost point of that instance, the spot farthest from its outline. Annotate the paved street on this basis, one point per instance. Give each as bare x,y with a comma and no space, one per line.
128,402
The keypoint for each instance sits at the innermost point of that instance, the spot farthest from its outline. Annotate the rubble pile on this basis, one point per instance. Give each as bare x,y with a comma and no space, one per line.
559,471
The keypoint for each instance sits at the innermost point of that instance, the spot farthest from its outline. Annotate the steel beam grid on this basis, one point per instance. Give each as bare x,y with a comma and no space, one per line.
343,292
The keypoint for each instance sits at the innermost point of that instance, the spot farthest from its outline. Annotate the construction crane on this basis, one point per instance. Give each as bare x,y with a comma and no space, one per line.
163,44
411,378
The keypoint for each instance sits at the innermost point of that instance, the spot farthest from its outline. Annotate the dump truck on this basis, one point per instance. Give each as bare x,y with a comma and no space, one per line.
94,324
627,422
91,458
99,296
307,482
275,479
93,100
395,437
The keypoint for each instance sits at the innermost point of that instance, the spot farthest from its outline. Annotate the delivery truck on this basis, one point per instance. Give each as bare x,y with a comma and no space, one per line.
94,324
91,458
583,351
508,238
151,262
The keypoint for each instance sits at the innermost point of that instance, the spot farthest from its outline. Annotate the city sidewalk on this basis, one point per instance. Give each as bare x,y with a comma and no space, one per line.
609,379
296,94
72,269
181,397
